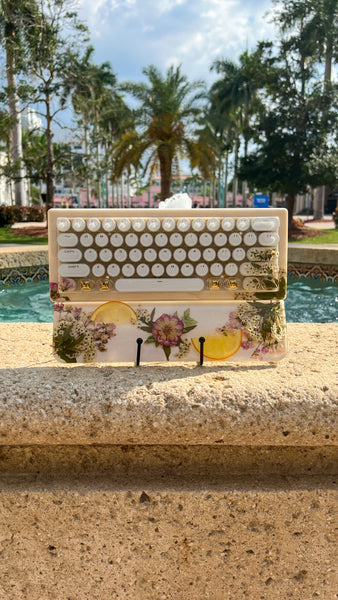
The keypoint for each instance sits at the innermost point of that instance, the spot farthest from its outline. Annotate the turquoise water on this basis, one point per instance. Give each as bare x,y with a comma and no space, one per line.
308,301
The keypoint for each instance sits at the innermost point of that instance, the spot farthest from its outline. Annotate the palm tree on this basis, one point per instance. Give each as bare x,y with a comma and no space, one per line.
164,125
234,94
93,91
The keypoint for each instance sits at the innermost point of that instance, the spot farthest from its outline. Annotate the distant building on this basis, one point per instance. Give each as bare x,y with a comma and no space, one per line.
30,121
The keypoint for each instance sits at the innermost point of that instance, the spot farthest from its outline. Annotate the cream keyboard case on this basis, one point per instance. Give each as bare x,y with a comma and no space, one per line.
169,278
154,255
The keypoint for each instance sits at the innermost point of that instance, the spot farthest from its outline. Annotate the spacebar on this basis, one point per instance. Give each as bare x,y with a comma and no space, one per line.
159,285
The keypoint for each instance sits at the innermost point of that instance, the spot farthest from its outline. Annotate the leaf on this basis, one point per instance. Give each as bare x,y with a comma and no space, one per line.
152,315
149,340
146,328
188,321
167,350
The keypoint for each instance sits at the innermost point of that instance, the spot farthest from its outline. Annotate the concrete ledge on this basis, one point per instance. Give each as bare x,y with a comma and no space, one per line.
292,403
23,256
171,482
326,254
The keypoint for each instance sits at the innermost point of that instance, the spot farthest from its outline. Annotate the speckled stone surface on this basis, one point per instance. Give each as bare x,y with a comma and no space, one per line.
324,254
290,403
23,256
171,482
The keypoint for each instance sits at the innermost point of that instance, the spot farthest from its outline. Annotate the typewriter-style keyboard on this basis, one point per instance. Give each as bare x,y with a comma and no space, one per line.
200,254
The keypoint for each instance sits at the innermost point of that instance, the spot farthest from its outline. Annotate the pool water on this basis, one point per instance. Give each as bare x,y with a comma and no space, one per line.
308,301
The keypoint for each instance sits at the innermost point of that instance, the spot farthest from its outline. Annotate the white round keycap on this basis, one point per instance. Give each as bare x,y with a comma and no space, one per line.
63,224
180,254
213,224
191,239
146,240
123,224
131,240
90,255
86,240
228,224
98,270
101,240
198,224
268,238
128,270
172,270
220,239
154,224
223,254
168,224
150,255
243,223
139,224
120,255
116,240
216,269
176,239
113,270
187,270
231,269
250,238
201,269
67,240
142,270
194,254
161,240
93,224
105,255
205,239
235,239
209,254
183,224
238,254
165,254
157,270
108,224
135,255
78,224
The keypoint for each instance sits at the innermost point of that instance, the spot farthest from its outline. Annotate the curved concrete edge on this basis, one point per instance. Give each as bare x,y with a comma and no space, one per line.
292,403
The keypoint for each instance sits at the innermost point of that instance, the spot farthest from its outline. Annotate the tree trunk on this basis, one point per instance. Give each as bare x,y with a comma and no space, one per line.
16,132
165,170
290,203
50,180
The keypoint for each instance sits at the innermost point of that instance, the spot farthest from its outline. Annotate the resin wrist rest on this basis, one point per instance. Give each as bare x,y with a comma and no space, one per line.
111,332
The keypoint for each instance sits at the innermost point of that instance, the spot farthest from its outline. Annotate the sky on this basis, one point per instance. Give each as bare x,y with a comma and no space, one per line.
132,34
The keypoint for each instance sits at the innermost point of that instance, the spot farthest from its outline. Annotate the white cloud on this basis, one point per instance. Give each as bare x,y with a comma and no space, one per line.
135,33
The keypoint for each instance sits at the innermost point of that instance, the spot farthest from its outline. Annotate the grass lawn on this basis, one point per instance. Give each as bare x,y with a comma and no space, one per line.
329,236
7,236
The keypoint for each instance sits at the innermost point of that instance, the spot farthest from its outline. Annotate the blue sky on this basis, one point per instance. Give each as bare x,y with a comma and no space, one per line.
132,34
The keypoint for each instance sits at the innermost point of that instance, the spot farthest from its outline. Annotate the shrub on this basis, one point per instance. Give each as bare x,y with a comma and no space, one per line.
19,214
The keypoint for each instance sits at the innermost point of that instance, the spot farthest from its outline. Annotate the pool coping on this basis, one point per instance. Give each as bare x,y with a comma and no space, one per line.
20,264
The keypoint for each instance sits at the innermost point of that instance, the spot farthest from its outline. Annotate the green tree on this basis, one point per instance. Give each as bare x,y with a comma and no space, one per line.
290,127
56,32
315,24
165,120
16,18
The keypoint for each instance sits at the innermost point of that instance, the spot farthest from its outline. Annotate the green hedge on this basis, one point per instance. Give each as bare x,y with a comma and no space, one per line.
19,214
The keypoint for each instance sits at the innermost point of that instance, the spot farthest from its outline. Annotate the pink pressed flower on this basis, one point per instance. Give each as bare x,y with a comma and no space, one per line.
66,284
53,287
167,330
58,307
